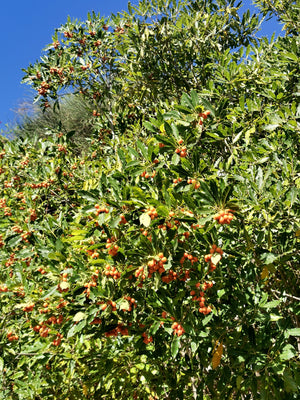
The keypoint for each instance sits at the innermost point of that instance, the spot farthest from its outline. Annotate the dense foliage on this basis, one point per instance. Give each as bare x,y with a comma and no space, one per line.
160,260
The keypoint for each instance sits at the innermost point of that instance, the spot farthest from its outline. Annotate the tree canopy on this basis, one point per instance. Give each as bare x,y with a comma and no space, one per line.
158,258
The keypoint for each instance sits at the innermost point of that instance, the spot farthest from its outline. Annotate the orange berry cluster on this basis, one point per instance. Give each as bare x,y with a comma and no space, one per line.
140,273
41,270
189,257
152,212
7,211
203,116
182,151
96,321
28,308
17,229
177,180
194,183
147,339
64,277
92,283
110,303
44,310
196,226
169,225
3,289
201,297
25,236
112,271
42,329
62,148
43,90
55,320
101,210
39,185
12,337
154,265
8,184
172,276
224,217
177,329
56,342
11,261
132,303
62,303
96,113
3,202
186,234
157,265
145,174
112,249
119,329
208,257
93,253
123,220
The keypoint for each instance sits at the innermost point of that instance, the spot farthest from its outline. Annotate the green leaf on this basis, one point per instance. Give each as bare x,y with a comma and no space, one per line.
149,126
59,245
268,258
14,241
76,328
206,320
270,304
186,101
242,102
165,140
294,332
56,256
291,56
162,211
154,327
270,127
195,98
175,346
194,346
287,353
175,159
248,133
142,148
237,137
274,317
208,106
289,383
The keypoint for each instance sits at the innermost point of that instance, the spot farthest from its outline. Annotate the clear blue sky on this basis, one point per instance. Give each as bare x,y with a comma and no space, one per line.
27,27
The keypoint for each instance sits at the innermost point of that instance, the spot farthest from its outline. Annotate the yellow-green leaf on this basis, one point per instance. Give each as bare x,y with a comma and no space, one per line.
216,258
79,316
145,220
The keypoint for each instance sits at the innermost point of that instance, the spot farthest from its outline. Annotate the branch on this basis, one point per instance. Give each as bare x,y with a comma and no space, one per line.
285,294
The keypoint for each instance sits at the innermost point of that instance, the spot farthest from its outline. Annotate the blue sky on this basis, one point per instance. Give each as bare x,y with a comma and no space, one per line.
27,27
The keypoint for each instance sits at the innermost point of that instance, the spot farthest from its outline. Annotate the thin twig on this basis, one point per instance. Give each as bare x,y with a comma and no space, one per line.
285,294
